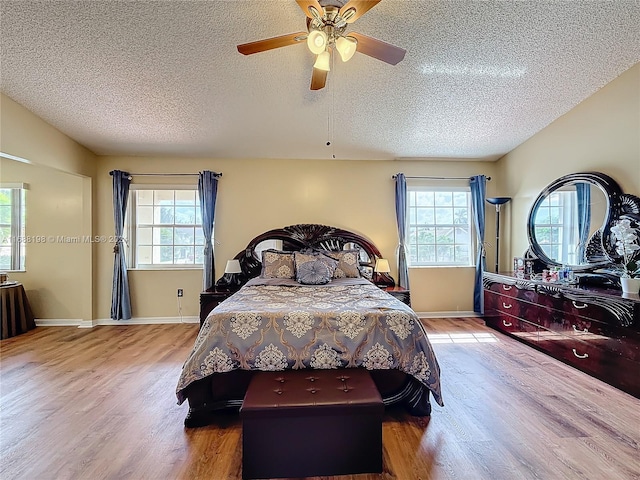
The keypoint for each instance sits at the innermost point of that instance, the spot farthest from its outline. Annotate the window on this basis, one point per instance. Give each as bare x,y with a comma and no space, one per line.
12,220
164,229
439,227
556,228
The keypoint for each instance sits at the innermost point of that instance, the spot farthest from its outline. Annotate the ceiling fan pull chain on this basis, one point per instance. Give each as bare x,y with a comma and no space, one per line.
328,128
333,103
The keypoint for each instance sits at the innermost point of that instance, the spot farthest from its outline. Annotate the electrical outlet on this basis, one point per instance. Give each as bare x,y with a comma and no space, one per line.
180,292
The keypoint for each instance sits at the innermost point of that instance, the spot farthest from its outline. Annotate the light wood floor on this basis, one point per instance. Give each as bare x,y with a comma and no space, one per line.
100,404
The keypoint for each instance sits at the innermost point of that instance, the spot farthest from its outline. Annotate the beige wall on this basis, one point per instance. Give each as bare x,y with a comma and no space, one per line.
59,276
57,259
23,134
258,195
600,134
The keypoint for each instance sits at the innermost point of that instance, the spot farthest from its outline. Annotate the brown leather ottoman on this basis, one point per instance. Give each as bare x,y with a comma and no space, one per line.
305,423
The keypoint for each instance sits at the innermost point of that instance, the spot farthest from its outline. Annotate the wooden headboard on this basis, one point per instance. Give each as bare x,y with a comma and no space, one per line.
301,236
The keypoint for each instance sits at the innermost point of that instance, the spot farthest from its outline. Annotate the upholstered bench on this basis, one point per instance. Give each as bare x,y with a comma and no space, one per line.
305,423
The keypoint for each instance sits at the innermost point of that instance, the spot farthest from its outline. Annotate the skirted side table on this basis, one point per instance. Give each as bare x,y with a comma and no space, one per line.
15,313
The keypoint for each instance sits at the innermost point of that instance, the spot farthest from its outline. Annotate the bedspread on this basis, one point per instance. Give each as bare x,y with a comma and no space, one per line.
280,324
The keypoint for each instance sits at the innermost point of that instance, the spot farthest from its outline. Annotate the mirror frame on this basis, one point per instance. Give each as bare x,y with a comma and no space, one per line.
600,250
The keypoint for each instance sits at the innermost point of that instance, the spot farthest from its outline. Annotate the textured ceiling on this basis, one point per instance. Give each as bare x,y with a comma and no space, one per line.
165,78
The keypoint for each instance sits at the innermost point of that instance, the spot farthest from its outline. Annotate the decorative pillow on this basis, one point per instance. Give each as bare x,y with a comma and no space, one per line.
277,264
314,268
348,263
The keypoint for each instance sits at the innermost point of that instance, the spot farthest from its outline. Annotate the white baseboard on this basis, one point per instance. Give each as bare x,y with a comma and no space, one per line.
147,321
58,322
80,323
447,314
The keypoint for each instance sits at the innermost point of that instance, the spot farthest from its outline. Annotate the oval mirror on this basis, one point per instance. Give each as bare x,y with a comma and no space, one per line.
570,220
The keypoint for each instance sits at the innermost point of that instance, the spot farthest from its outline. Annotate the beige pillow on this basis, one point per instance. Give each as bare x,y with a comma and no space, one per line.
348,263
277,264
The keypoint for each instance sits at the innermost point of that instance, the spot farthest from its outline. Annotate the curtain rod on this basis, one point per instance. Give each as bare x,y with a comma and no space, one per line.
164,174
442,178
169,174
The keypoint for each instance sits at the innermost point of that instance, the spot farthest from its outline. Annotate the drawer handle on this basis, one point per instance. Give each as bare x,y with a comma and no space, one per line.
504,305
504,322
586,355
577,330
506,287
584,305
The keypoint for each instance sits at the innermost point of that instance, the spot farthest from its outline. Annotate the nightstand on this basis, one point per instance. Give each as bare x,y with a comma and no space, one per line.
210,299
400,293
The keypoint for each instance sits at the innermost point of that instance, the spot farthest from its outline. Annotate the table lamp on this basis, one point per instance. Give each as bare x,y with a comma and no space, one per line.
381,275
232,278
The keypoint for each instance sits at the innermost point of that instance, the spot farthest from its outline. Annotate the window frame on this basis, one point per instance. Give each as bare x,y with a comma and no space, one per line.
130,229
470,224
17,239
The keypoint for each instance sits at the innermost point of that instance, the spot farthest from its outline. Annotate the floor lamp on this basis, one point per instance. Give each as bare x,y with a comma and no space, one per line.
498,202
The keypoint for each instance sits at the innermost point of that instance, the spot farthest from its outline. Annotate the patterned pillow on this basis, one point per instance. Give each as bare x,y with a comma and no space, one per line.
277,264
348,263
314,268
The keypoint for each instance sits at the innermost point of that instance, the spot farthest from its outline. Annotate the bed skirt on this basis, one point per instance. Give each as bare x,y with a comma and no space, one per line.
222,392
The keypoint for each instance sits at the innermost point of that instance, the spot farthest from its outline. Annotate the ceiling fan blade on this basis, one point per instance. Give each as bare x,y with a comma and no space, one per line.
378,49
271,43
305,4
360,7
318,79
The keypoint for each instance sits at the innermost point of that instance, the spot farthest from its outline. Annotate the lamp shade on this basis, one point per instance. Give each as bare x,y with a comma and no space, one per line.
233,266
382,266
346,47
498,200
323,61
317,41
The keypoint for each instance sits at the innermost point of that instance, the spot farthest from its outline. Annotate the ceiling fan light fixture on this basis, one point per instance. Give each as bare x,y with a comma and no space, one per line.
317,41
327,22
323,61
346,47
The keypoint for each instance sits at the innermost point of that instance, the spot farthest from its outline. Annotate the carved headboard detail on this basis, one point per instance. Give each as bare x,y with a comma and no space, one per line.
301,236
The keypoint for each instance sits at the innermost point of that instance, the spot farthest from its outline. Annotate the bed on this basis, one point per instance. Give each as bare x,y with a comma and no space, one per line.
275,322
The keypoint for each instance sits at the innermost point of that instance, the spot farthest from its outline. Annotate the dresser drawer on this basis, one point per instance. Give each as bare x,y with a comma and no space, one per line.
587,310
620,340
507,304
615,311
570,323
503,313
511,324
595,358
570,350
522,330
508,290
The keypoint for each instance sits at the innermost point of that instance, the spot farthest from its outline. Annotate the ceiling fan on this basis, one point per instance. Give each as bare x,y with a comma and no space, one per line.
327,22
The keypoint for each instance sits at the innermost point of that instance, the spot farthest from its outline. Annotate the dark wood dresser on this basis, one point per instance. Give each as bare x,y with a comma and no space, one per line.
596,330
